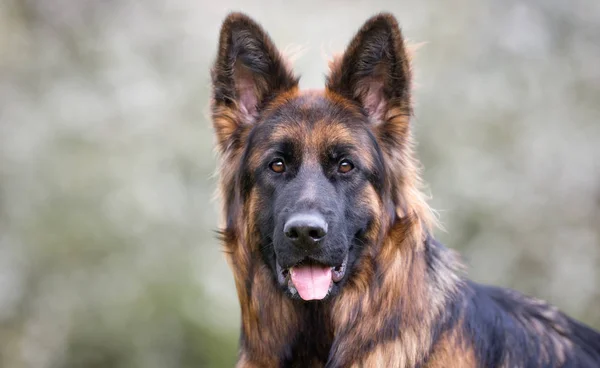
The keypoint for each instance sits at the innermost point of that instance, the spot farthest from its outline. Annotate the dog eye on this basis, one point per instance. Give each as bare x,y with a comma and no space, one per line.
345,166
277,165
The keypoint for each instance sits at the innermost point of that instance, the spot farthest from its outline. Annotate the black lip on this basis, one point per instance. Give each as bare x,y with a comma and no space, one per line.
338,272
282,274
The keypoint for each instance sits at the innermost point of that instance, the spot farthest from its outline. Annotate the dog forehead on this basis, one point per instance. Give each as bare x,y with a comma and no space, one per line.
314,118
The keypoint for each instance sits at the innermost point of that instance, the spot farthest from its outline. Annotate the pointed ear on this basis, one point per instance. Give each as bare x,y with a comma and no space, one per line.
248,72
374,71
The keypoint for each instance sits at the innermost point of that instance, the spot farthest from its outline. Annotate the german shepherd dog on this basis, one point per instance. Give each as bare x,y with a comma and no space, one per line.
328,235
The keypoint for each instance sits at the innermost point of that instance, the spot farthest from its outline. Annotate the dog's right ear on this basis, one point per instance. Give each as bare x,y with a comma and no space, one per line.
248,73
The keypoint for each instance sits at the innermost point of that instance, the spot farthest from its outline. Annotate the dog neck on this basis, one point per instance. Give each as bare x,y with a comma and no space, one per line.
412,280
406,283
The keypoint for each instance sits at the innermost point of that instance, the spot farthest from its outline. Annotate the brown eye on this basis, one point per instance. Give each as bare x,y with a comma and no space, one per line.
345,166
277,166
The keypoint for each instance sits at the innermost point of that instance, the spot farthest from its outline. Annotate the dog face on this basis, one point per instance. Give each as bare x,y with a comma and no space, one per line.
312,161
310,170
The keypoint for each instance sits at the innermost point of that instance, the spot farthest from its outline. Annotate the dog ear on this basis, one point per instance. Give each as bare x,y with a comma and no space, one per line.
248,72
374,72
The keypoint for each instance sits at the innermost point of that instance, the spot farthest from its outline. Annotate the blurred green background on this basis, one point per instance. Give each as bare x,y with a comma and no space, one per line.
108,256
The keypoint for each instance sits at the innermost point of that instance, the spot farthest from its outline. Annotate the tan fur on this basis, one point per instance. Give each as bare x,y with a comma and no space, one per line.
452,352
403,283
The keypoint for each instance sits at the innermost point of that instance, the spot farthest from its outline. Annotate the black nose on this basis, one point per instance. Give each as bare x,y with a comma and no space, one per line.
305,229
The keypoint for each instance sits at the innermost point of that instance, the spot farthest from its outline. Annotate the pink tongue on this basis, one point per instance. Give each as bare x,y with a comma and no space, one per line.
312,282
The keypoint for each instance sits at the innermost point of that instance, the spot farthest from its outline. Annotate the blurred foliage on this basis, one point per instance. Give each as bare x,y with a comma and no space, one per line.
108,256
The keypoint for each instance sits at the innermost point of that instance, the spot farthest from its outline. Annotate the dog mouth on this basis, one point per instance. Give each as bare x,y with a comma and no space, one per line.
311,280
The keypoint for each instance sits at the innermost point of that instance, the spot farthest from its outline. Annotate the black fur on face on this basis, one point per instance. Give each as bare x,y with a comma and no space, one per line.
313,164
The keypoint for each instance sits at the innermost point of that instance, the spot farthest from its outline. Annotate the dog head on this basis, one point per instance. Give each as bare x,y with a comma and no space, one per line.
311,180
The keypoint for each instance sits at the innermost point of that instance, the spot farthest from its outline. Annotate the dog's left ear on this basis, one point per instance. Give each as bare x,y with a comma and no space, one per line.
374,72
